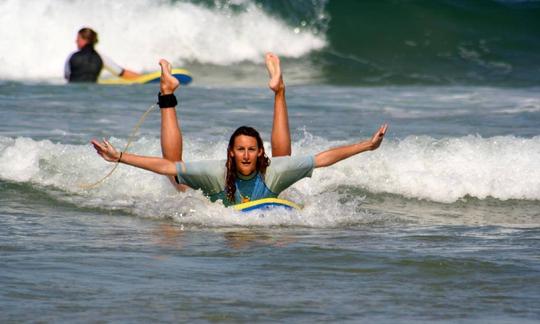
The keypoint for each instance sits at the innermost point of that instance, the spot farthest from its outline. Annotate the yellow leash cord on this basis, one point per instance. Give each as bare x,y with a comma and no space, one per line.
130,140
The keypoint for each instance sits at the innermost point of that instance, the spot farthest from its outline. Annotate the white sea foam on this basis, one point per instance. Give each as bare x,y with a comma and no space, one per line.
36,36
445,170
420,168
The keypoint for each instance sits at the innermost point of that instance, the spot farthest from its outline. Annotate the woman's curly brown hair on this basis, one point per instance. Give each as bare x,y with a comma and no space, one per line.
262,162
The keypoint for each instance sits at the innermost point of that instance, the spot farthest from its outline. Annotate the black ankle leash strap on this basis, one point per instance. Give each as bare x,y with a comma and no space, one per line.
167,101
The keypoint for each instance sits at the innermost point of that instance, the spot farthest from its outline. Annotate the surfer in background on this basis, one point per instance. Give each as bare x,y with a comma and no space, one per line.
248,173
86,64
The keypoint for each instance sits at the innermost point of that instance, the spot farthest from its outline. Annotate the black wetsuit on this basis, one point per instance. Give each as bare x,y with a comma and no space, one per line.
85,65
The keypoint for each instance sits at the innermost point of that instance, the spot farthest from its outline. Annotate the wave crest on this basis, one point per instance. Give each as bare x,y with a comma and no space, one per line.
137,33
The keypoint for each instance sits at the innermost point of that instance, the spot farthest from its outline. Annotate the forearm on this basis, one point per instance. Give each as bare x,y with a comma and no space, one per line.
154,164
128,74
337,154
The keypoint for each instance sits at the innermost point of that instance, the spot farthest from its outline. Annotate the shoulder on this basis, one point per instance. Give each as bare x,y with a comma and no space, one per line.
111,65
71,56
292,162
103,56
74,54
206,175
209,167
285,171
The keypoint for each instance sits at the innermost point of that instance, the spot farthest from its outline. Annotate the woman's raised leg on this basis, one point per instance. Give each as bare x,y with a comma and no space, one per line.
171,135
281,136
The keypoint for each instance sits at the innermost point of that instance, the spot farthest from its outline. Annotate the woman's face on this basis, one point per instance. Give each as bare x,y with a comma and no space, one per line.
245,153
81,42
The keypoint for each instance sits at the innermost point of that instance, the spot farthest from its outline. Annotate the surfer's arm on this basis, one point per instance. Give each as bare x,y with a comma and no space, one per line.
67,70
337,154
116,69
150,163
128,74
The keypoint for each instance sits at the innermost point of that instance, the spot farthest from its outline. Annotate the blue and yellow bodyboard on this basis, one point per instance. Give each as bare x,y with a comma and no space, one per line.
182,75
266,203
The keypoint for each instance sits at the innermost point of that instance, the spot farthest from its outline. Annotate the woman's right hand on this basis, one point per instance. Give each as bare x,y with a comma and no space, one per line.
106,150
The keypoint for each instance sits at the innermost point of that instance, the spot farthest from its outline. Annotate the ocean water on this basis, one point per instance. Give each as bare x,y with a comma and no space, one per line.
441,223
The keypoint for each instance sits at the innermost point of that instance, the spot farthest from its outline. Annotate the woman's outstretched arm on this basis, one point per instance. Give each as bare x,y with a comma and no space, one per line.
154,164
337,154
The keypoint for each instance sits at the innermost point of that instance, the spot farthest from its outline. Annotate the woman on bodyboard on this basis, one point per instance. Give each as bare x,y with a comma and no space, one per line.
247,173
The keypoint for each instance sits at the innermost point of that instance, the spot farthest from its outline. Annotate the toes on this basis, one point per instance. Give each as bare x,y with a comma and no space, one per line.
166,67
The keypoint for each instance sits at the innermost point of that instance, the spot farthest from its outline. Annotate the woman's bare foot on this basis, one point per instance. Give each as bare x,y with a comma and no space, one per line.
274,71
167,83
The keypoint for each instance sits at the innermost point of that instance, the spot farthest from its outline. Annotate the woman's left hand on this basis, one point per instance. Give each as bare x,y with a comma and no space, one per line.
106,150
377,138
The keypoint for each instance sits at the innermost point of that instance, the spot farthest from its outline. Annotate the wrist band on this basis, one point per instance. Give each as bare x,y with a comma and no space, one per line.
167,101
120,157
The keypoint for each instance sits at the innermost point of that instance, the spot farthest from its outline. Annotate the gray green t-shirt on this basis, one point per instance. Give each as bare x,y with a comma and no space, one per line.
209,176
